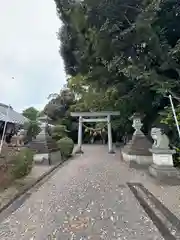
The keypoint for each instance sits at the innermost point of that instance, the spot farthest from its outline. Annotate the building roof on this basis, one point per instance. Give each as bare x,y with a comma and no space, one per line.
13,116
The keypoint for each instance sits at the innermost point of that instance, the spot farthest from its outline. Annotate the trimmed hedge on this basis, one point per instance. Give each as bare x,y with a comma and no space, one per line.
22,164
66,146
58,132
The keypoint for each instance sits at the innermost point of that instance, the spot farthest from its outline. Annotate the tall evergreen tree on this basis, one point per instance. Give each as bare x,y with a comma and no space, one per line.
131,46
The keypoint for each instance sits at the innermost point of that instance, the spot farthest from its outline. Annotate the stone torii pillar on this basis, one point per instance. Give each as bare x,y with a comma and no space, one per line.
110,145
79,150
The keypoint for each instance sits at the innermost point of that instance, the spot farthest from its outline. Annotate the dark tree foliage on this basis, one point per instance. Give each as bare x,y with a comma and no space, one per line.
59,104
129,48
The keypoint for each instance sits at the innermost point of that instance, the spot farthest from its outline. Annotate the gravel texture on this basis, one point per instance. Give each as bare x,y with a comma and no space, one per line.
86,199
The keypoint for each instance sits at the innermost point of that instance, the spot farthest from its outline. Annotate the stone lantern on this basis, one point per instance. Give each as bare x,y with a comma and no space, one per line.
137,124
44,145
137,149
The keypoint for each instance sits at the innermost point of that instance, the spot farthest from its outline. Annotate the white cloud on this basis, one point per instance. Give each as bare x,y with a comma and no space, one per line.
29,52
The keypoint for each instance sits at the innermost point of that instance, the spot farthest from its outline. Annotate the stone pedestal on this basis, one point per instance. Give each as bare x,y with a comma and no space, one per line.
137,150
162,157
50,158
164,172
162,167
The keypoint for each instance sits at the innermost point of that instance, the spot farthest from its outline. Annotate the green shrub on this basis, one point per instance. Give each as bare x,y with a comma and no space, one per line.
66,146
176,157
22,163
58,132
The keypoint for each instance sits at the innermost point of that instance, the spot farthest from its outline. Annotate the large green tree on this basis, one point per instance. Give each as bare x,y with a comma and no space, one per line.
31,113
130,49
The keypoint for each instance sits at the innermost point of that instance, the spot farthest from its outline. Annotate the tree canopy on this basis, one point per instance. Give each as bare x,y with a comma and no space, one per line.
121,55
31,113
59,104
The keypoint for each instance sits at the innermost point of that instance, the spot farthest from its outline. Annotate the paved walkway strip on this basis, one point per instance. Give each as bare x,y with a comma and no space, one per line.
89,198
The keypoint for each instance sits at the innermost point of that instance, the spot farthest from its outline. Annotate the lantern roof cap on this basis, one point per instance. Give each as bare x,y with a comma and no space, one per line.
137,115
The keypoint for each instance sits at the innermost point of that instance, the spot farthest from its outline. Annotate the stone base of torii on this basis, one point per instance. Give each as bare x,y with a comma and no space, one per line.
94,117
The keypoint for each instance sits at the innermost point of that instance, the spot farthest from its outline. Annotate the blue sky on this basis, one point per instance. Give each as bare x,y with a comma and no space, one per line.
29,53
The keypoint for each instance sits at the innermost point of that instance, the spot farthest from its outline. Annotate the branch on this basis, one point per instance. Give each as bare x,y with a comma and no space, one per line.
175,96
127,20
131,7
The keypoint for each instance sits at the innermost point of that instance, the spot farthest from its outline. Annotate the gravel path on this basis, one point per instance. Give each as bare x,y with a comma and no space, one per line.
86,199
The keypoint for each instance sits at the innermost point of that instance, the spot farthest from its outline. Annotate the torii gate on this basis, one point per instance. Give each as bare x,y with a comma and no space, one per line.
107,118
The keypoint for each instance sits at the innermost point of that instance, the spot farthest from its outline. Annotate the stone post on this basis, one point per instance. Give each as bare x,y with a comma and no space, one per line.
110,145
79,149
